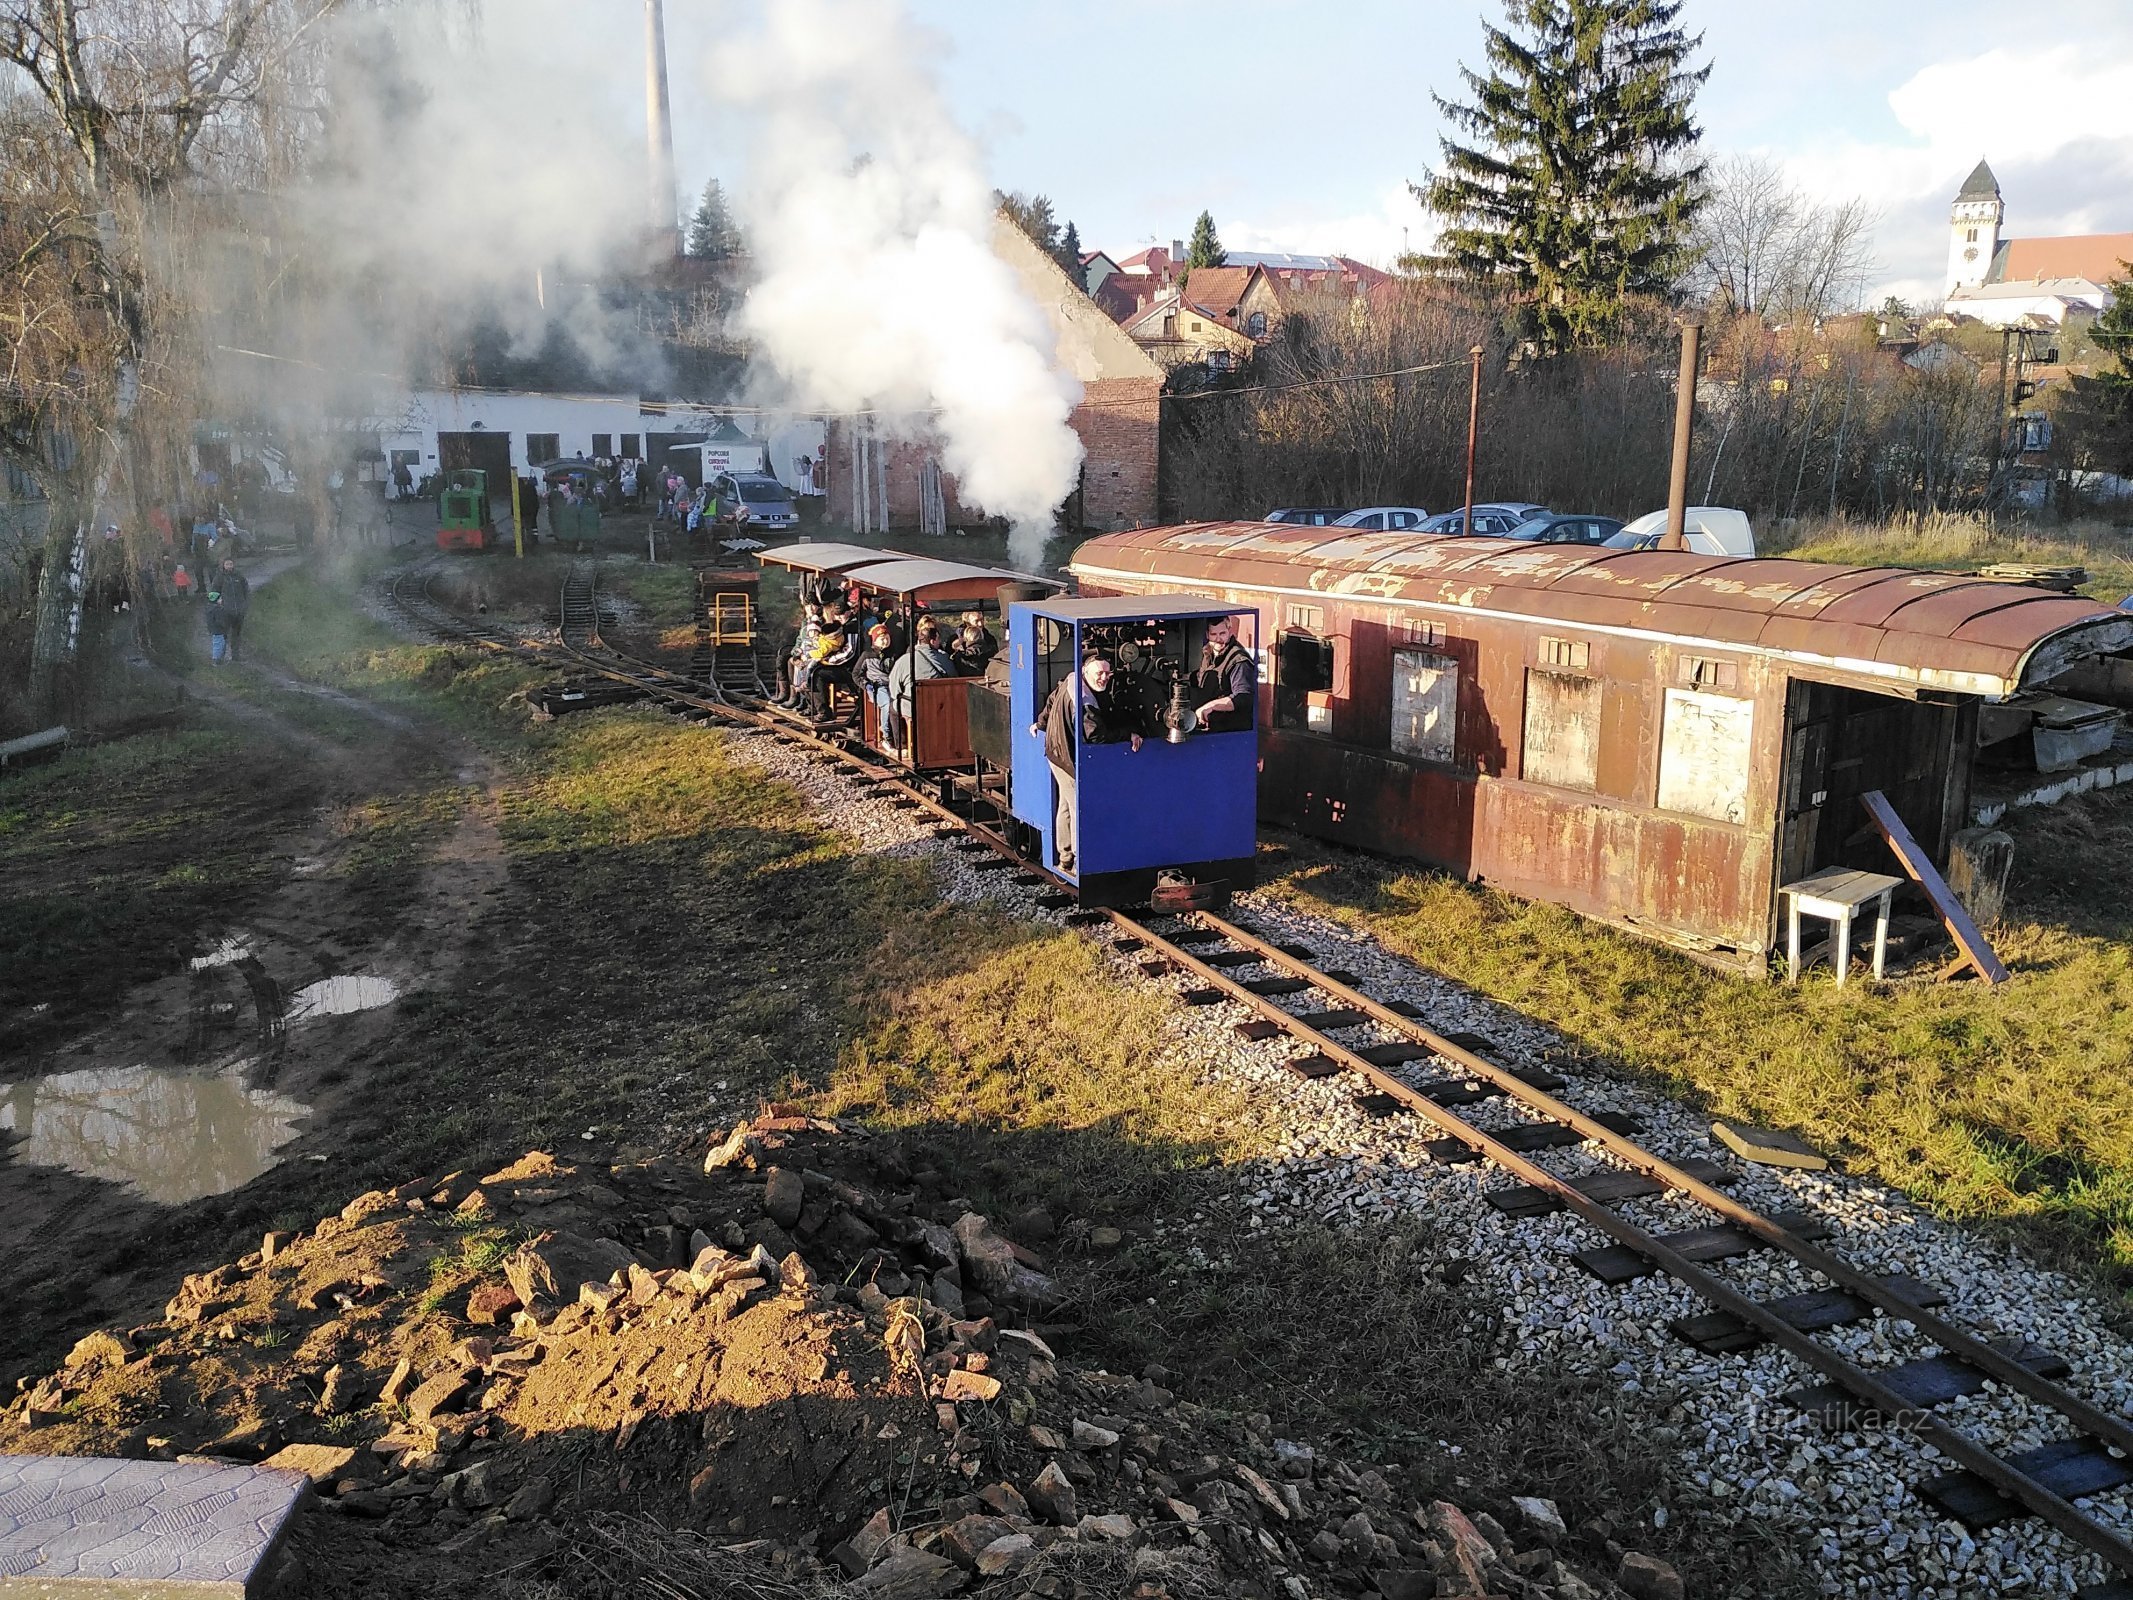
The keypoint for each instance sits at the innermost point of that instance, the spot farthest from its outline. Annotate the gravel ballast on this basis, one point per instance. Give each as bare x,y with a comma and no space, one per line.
1747,1452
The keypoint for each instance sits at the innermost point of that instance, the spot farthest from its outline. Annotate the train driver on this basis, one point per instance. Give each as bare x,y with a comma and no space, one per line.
1099,721
1228,681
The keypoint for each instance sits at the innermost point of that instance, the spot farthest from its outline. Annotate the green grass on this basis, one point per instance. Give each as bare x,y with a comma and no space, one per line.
2009,1107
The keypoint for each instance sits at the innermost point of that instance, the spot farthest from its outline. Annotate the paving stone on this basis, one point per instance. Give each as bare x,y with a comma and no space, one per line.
139,1528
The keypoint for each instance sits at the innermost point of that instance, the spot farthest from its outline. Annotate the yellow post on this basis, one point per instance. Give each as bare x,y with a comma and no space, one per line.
518,529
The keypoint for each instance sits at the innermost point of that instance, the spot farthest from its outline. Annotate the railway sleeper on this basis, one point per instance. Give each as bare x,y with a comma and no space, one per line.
1618,1263
1274,986
1609,1188
1926,1382
2110,1589
1528,1138
1224,960
1326,1021
1721,1333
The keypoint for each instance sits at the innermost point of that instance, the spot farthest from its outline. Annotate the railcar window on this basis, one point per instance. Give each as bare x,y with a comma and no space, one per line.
1704,750
1562,731
1425,703
1303,666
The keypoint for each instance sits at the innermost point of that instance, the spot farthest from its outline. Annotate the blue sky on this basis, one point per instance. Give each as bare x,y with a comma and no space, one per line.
1298,122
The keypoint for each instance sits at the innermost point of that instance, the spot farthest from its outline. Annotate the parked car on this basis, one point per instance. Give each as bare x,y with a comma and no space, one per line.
1707,530
1491,520
1561,527
1307,516
1383,519
764,502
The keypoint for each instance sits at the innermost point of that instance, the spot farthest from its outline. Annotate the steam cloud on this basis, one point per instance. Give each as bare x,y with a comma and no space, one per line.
870,221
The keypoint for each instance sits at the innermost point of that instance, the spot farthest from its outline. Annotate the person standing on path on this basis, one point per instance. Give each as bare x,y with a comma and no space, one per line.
236,592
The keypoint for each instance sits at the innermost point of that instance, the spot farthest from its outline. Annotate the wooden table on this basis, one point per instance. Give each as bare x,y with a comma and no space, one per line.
1837,893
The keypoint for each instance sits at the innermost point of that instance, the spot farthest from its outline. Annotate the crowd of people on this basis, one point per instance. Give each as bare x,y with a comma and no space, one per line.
844,641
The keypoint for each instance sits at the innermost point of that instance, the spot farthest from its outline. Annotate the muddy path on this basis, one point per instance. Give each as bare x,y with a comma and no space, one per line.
123,1143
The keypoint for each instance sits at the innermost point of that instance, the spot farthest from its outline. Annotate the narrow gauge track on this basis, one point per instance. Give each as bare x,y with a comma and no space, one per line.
1233,963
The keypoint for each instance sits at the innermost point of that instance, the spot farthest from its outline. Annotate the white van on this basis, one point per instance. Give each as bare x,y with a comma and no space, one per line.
1708,531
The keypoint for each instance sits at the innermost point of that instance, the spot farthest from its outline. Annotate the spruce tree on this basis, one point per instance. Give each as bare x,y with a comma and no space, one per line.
1033,215
1069,255
1579,183
1205,248
712,235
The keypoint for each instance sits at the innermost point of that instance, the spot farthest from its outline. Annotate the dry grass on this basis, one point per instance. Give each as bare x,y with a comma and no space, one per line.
2010,1107
1958,541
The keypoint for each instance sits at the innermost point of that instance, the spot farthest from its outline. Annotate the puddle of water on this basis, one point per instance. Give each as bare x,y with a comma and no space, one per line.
338,997
170,1136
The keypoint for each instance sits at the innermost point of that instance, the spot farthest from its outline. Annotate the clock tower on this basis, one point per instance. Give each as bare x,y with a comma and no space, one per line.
1974,229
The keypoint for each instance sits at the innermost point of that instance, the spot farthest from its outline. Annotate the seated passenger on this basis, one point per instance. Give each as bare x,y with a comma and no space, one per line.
871,673
832,660
925,659
974,646
1080,711
1227,682
792,666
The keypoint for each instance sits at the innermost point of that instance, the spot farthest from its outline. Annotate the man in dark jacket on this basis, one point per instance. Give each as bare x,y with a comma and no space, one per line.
236,594
1228,681
1079,711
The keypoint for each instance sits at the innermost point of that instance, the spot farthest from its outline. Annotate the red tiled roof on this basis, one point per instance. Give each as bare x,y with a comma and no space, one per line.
2098,257
1219,288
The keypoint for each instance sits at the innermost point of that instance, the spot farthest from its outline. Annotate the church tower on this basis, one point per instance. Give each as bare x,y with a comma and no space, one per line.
1974,229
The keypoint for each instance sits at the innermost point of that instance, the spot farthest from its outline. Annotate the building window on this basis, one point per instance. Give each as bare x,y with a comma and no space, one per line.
1971,236
1218,360
1425,704
1562,732
543,446
1704,750
1170,324
1303,667
603,444
1255,324
631,449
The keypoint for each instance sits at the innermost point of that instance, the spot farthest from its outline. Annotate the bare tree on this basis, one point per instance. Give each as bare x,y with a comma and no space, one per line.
1767,249
124,126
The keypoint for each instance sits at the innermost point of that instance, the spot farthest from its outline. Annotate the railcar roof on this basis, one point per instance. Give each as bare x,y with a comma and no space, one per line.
1931,629
809,556
1133,607
918,575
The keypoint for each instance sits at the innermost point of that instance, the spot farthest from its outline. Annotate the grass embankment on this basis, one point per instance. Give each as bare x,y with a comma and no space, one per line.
2010,1107
1964,543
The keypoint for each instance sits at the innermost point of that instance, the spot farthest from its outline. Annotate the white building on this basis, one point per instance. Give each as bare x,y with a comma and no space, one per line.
511,431
2004,282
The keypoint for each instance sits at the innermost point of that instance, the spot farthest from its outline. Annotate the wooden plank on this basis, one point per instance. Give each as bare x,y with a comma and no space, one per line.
1919,865
1722,1333
2071,1468
1618,1263
1257,1028
1929,1381
1392,1055
1315,1066
1322,1020
1273,986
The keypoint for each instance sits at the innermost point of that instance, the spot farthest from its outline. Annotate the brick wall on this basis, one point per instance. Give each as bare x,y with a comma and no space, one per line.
1119,424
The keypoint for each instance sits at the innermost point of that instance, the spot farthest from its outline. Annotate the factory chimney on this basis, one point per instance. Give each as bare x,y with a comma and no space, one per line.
659,136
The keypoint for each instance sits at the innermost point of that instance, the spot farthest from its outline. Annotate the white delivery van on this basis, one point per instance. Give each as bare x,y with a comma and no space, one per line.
1708,531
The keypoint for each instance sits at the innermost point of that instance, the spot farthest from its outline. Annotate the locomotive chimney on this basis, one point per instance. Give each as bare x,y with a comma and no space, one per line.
659,136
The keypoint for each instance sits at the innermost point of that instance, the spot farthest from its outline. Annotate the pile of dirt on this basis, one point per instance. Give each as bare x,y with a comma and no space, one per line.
794,1366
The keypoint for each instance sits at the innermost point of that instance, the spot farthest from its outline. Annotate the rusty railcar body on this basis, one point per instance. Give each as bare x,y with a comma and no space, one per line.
1655,739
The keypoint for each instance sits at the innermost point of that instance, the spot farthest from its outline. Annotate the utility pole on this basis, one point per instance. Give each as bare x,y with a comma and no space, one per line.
1677,483
1473,436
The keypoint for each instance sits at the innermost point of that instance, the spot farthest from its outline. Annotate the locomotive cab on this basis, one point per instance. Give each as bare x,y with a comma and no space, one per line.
1174,822
463,510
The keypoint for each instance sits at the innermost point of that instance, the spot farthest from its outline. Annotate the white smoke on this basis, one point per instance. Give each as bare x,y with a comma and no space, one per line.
870,219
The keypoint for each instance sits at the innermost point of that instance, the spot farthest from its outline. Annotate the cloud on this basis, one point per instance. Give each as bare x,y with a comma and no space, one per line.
1378,237
2056,123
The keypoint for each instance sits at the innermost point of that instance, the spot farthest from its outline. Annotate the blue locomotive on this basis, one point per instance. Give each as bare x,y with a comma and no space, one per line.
1150,806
